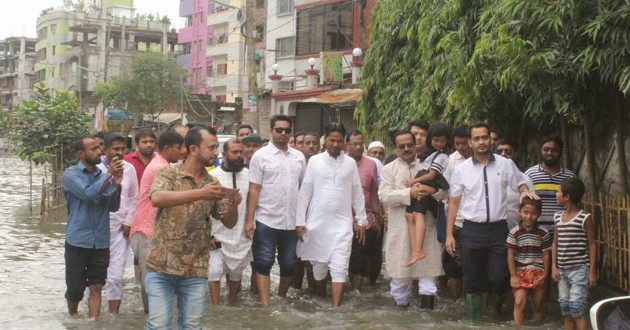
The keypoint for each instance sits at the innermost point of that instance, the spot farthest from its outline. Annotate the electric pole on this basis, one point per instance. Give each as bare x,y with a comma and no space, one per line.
250,44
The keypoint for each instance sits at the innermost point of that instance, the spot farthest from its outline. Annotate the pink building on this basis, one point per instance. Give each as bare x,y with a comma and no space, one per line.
194,38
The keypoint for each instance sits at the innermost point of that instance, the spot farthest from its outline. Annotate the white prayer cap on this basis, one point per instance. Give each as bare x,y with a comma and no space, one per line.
375,144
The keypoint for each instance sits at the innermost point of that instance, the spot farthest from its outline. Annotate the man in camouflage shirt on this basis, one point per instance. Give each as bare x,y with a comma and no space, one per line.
186,196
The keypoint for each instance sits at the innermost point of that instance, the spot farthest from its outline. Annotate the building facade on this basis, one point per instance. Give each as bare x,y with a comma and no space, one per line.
77,49
17,62
300,31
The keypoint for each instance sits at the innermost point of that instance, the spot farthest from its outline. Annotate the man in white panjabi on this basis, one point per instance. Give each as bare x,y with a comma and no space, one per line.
119,221
394,194
234,252
331,189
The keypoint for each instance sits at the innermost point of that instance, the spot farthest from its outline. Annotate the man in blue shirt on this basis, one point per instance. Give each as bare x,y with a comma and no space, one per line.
90,196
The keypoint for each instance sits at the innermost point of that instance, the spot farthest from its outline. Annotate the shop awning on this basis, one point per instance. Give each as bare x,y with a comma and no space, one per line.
336,97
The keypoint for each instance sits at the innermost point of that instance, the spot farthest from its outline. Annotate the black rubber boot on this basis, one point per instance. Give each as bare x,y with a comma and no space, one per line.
427,302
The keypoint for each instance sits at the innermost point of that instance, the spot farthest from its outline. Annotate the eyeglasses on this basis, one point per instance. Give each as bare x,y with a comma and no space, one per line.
377,153
280,130
403,146
508,152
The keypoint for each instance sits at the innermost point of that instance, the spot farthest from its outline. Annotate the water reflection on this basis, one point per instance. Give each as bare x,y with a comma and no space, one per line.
32,286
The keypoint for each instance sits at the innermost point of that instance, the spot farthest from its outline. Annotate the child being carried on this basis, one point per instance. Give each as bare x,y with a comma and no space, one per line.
434,164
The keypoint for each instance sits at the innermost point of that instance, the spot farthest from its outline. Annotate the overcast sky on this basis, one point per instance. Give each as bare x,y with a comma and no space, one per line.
19,18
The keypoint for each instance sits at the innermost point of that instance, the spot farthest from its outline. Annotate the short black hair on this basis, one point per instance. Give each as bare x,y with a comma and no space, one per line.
507,141
335,127
193,137
423,124
78,143
479,124
110,138
529,201
553,138
573,187
352,133
144,133
169,138
244,126
495,130
462,131
226,145
436,129
300,133
100,135
275,118
311,133
402,132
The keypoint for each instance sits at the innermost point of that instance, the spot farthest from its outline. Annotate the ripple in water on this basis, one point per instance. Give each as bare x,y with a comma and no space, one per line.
32,285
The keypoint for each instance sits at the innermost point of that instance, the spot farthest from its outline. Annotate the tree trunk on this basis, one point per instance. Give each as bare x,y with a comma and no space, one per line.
619,141
590,160
566,151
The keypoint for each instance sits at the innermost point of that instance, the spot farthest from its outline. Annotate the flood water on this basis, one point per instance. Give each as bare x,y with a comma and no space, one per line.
32,286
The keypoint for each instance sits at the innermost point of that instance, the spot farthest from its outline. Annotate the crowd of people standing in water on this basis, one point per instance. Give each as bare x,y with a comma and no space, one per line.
447,201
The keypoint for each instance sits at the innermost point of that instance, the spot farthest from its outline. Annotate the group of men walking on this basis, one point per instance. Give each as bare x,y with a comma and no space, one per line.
287,201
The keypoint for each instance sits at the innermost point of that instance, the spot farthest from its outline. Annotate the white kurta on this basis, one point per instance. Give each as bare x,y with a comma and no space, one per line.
236,248
120,255
331,189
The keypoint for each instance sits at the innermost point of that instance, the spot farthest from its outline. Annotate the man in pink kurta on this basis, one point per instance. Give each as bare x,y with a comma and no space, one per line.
169,144
366,259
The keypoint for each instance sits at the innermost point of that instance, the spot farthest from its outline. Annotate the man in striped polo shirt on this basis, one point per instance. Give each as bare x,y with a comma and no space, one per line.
547,176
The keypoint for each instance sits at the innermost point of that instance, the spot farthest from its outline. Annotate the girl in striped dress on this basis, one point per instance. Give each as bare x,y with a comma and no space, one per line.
574,254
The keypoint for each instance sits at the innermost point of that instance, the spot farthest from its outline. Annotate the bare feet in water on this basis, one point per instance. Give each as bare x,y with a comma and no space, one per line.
415,257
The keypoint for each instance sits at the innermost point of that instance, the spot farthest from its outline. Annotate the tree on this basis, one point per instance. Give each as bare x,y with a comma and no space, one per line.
46,128
151,86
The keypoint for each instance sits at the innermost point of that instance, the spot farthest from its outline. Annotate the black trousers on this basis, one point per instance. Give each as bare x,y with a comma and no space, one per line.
484,256
371,253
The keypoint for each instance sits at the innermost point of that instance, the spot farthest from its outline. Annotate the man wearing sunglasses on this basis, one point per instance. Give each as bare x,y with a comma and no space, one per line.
394,194
275,173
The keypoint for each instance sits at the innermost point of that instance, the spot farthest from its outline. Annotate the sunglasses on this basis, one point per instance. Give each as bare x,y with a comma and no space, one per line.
280,130
508,152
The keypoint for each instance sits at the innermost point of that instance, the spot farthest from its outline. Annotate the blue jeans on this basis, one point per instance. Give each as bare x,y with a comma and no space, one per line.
266,239
573,290
191,300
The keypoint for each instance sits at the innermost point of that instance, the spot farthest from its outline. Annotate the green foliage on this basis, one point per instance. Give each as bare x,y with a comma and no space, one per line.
520,65
47,126
151,86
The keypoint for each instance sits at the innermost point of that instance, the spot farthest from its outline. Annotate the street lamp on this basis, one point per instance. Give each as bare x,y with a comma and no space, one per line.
275,68
311,62
357,52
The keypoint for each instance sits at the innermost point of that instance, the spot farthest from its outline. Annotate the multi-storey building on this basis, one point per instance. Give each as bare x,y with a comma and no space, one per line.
17,60
214,48
299,32
77,49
